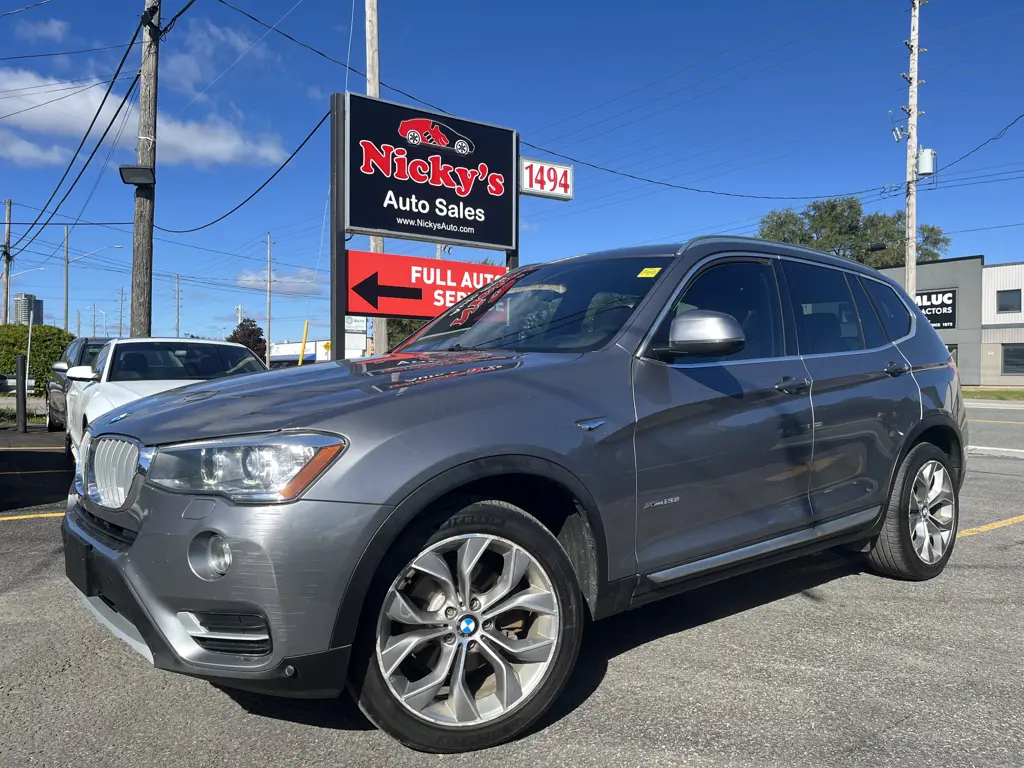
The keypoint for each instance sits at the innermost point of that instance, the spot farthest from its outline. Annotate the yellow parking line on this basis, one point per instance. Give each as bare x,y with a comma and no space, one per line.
31,517
993,526
993,421
36,471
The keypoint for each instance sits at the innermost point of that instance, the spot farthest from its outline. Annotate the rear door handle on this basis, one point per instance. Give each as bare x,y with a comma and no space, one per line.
897,369
792,386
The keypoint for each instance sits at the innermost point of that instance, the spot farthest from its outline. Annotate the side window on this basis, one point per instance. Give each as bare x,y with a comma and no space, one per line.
892,311
874,336
826,316
744,289
101,359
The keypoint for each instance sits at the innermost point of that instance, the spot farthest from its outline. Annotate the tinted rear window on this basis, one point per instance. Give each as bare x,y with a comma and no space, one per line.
891,310
89,353
826,317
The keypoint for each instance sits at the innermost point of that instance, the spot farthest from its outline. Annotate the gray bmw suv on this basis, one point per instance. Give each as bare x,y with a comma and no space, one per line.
432,529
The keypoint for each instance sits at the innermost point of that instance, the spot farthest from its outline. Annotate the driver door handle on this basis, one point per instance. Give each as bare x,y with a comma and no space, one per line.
791,385
897,369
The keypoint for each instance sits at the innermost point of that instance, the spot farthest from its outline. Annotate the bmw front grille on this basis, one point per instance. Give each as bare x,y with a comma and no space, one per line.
112,465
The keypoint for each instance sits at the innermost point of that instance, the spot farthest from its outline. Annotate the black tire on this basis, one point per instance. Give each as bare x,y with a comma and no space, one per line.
52,425
367,683
892,553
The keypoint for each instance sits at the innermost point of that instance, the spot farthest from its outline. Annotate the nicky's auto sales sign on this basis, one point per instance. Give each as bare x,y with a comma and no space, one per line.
426,176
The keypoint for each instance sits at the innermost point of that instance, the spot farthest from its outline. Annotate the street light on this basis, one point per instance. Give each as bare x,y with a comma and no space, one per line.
68,261
137,175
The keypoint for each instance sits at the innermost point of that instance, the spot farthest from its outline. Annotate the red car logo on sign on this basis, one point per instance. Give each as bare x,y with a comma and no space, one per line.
422,130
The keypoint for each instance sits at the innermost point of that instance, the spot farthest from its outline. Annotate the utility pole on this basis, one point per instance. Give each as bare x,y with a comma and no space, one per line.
177,306
120,315
8,267
78,329
93,319
240,312
380,324
910,279
270,278
66,262
142,240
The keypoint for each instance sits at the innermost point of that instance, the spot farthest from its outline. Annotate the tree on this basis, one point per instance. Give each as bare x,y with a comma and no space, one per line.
840,227
48,344
250,334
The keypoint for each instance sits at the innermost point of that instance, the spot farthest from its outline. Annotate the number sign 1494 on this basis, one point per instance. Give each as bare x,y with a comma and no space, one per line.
544,179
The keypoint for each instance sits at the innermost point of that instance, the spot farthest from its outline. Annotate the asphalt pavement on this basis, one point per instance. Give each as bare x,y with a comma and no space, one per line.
812,663
996,428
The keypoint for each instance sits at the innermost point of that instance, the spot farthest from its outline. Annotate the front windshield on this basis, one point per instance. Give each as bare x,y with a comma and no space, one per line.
175,360
574,305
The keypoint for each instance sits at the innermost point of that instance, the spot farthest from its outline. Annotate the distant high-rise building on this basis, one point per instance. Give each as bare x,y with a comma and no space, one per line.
27,306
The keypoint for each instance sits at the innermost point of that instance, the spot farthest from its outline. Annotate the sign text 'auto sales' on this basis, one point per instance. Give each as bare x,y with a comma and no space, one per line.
426,176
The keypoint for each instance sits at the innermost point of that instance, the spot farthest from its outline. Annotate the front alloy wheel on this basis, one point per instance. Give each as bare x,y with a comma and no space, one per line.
471,629
468,631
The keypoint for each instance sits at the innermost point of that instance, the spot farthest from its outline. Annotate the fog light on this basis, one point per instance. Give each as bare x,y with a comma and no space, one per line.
219,554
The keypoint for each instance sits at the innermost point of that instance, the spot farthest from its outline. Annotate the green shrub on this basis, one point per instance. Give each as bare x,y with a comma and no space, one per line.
48,344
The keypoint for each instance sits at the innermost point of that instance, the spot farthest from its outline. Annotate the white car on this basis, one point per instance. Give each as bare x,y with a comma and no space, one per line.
130,369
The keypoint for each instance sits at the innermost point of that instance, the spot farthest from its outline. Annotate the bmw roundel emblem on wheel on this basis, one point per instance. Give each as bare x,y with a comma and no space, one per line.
467,626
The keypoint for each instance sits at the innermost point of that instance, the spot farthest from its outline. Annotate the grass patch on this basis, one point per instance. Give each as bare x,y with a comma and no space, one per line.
975,393
10,416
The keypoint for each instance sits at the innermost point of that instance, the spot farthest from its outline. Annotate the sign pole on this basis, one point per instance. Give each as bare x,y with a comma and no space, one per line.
339,249
512,256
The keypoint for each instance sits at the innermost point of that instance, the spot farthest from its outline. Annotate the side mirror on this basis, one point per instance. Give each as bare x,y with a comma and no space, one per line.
82,373
701,332
59,367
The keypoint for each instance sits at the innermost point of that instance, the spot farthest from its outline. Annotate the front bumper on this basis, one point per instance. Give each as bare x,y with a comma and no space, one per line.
291,565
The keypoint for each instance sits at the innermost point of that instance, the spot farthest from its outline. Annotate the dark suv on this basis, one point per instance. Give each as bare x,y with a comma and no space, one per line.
433,528
81,351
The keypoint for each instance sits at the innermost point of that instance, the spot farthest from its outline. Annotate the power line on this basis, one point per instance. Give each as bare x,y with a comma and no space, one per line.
687,68
240,56
51,101
26,8
61,53
174,19
88,160
320,53
731,68
595,166
998,136
88,130
259,189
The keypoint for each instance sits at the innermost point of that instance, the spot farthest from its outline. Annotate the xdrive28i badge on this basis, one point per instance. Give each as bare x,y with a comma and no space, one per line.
427,176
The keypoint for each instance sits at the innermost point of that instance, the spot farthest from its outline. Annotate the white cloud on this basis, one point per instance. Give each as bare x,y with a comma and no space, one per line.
299,282
22,152
206,51
314,93
206,142
52,29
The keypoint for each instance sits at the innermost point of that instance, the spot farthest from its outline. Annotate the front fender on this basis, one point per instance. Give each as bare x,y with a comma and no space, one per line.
415,502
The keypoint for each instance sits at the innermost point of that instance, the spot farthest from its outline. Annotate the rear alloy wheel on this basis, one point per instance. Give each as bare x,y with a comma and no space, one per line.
476,635
462,147
921,519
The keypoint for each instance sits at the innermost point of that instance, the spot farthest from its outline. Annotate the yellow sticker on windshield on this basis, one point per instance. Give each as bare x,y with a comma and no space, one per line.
649,272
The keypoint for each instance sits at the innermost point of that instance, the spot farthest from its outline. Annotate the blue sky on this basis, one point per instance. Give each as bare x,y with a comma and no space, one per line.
669,90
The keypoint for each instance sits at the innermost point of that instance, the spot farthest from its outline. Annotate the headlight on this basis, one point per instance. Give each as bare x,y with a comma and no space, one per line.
264,468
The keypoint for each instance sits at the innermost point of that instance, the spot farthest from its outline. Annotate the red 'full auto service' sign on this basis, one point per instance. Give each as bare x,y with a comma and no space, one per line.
405,286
